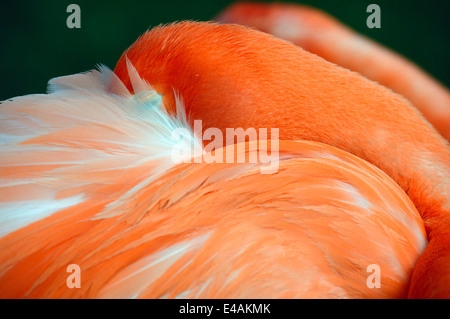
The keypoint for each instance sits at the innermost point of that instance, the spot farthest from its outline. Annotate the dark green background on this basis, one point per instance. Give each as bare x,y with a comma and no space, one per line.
36,44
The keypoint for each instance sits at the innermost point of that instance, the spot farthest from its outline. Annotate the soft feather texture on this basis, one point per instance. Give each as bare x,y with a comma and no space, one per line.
321,34
138,225
250,79
60,148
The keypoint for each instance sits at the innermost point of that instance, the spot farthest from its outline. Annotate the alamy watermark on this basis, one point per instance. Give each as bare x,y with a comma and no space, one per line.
374,19
74,279
374,280
74,19
214,151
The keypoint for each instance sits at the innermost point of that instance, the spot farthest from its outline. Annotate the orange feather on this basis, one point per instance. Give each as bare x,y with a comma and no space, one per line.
319,33
87,177
250,79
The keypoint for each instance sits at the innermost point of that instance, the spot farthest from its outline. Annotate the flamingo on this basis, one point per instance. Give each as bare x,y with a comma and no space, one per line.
319,33
88,178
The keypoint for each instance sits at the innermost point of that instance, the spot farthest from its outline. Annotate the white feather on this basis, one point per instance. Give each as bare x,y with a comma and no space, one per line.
115,131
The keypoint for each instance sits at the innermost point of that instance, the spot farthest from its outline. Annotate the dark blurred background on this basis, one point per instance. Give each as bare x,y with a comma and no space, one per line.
36,44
